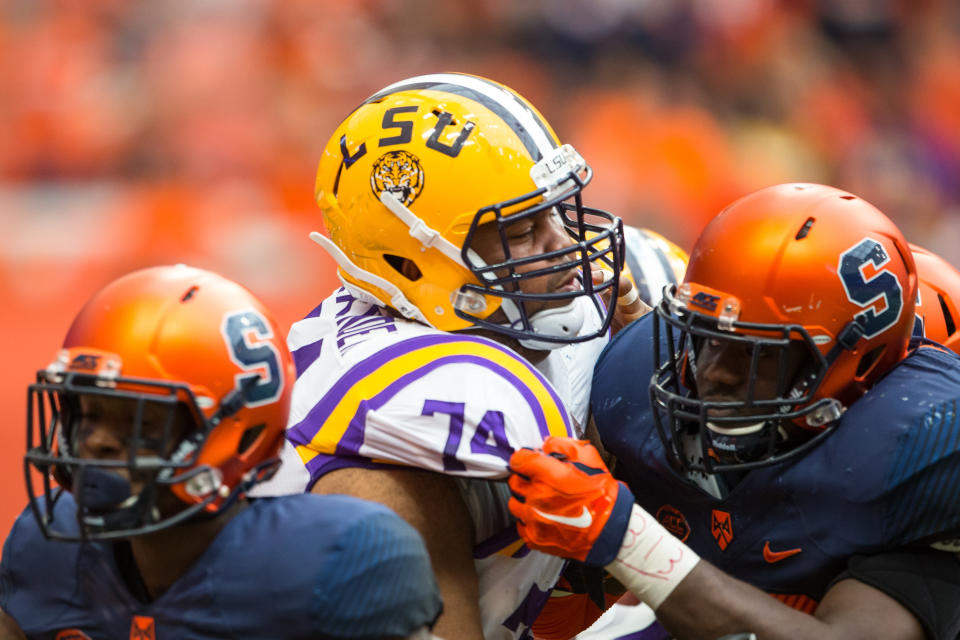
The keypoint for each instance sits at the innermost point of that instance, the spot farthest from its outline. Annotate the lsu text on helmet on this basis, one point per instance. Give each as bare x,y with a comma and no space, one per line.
412,173
939,290
813,289
205,376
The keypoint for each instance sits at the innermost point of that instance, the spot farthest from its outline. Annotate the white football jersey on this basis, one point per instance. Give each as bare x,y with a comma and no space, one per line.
377,391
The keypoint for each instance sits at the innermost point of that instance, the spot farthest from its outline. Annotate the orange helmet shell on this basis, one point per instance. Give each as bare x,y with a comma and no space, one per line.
181,325
814,256
937,298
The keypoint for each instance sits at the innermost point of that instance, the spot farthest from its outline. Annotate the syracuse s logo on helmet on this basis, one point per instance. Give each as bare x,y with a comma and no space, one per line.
400,173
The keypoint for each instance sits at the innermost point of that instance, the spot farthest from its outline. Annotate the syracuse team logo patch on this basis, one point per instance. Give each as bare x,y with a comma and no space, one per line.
721,528
673,521
143,628
72,634
400,173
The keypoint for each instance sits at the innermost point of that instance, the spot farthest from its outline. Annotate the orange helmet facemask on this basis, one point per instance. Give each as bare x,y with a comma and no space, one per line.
805,276
204,377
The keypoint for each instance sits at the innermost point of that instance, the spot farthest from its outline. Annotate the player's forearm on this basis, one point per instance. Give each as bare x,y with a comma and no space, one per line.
695,600
709,604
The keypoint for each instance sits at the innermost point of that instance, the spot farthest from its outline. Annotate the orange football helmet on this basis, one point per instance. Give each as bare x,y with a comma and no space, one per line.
937,311
793,268
177,342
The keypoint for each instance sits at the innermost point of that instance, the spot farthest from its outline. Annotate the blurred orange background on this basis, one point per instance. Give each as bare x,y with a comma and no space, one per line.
141,133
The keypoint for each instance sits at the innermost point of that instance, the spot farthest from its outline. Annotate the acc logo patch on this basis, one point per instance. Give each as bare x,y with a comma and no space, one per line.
705,301
400,173
85,362
673,521
721,528
72,634
143,628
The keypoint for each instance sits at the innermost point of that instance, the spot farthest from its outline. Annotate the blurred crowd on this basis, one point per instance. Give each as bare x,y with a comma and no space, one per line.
679,105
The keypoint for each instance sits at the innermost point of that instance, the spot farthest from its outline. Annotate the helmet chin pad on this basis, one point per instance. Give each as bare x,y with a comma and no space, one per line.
561,322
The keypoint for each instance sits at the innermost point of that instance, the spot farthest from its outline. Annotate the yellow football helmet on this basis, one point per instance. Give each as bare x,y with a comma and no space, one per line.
412,173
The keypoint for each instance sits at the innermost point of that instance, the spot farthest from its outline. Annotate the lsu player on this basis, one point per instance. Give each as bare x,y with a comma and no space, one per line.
467,326
787,442
166,404
938,290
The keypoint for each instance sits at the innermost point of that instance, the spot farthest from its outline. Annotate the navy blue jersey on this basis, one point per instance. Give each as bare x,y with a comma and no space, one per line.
888,477
303,566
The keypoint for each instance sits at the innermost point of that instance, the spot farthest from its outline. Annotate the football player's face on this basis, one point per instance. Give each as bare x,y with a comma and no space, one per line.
533,235
105,430
722,372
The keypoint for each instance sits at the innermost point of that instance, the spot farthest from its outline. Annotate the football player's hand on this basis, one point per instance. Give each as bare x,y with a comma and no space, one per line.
629,304
567,503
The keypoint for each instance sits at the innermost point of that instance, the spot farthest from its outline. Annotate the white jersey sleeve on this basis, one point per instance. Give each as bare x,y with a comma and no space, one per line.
379,390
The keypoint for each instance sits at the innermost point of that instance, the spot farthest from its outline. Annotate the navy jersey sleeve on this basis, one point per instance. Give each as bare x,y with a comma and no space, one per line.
378,580
38,577
335,567
620,396
921,483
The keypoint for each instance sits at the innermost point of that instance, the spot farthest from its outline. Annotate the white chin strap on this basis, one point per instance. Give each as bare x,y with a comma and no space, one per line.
736,431
745,430
562,322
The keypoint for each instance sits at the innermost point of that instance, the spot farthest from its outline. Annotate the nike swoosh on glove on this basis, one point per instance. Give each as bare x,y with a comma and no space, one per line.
567,503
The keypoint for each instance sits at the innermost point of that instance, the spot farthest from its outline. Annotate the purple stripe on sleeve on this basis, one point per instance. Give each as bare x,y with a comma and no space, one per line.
323,464
350,442
303,431
306,355
315,313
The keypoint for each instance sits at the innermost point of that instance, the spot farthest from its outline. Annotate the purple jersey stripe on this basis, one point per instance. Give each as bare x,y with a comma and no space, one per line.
323,464
350,442
496,542
303,431
306,355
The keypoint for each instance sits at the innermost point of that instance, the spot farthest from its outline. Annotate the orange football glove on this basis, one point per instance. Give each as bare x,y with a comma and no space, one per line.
567,503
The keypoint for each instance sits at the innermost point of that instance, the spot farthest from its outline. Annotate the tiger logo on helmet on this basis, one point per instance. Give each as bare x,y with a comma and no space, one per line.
398,173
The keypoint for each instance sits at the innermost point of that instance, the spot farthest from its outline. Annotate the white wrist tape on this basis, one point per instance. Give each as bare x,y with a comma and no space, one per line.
651,562
628,298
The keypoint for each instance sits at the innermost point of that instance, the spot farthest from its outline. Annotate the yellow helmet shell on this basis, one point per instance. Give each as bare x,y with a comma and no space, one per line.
445,146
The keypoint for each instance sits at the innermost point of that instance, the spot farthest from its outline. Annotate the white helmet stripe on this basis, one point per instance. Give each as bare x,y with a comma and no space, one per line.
514,111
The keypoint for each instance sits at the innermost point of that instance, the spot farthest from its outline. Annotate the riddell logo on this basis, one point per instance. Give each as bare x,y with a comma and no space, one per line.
673,521
72,634
721,528
705,301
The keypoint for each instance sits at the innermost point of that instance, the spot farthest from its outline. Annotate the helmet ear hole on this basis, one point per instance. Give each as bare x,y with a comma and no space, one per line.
404,266
869,359
948,320
249,438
